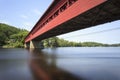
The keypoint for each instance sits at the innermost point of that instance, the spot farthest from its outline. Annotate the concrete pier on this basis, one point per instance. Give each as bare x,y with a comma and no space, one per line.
34,44
27,45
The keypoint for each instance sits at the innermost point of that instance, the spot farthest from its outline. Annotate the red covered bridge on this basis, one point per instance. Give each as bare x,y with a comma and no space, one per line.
64,16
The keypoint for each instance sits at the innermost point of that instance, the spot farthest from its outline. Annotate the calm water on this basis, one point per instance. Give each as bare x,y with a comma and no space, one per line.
98,63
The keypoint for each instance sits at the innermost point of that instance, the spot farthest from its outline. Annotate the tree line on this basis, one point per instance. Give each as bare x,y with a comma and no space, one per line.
14,37
57,42
11,36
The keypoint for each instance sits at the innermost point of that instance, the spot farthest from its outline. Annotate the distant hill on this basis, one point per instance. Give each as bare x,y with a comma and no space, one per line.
11,36
57,42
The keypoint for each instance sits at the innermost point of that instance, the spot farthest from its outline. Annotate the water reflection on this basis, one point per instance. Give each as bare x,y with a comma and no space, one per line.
14,65
44,67
77,63
70,63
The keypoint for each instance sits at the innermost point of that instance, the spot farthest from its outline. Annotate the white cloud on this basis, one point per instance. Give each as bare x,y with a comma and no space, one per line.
4,21
24,16
30,19
28,25
36,11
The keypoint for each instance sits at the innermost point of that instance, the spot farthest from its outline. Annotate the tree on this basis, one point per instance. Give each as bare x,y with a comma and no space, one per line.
51,42
11,36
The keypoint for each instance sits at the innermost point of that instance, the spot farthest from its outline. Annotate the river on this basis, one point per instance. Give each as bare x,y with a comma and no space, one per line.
65,63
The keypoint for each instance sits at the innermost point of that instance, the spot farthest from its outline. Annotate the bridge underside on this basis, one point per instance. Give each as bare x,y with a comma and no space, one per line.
106,12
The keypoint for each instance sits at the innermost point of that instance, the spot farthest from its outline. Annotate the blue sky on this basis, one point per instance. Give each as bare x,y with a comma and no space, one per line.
25,13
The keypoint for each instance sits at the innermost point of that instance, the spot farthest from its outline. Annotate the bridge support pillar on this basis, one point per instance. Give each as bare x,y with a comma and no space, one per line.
36,44
26,45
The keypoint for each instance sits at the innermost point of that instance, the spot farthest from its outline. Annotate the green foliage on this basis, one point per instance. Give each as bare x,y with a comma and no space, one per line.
11,36
14,37
5,32
51,42
56,42
91,44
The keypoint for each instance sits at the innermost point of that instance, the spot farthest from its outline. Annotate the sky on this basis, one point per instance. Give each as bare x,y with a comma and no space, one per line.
25,13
